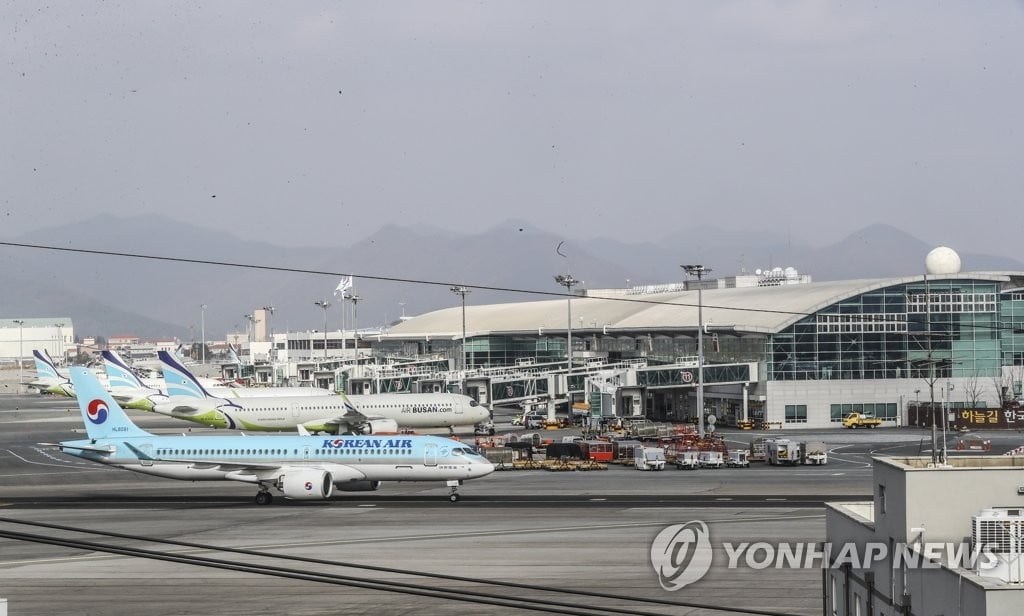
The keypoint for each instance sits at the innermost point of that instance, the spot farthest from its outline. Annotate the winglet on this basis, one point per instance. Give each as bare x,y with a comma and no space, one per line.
103,417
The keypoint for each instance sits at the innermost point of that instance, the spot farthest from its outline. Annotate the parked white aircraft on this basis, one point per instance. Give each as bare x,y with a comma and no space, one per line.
374,414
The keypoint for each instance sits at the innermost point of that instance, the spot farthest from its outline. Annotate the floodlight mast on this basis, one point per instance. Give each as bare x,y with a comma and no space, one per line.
461,291
699,271
325,305
567,281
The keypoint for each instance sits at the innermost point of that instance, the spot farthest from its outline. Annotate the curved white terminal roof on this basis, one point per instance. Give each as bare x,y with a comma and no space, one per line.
738,310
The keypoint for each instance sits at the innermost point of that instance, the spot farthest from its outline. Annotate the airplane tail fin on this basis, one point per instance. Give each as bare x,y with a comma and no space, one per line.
53,364
119,373
103,417
232,355
180,382
44,368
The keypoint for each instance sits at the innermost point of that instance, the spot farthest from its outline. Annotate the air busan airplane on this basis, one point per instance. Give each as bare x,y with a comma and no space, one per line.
132,392
301,467
178,385
49,379
333,414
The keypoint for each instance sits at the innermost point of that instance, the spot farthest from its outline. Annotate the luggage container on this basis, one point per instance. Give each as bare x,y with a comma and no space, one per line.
599,451
623,451
564,451
500,457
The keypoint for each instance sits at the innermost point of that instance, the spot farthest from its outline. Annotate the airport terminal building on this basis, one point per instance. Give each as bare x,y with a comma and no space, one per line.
778,348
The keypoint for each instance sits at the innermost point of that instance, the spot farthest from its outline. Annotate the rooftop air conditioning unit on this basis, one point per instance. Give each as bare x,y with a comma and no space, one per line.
1000,532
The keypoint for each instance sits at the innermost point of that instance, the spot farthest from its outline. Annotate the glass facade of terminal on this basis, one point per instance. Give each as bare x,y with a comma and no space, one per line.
942,329
489,351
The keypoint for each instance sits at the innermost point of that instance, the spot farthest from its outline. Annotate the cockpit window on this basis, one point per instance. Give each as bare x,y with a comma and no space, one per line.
474,403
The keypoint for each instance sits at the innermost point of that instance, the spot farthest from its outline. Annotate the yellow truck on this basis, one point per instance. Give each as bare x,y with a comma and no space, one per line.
860,420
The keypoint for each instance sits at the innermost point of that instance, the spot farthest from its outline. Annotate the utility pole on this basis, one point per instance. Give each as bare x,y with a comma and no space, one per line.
459,290
699,271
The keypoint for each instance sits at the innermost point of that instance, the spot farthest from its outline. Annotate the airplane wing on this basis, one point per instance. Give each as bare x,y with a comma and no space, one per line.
351,417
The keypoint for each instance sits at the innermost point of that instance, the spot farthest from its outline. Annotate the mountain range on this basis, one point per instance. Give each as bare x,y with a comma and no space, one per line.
398,270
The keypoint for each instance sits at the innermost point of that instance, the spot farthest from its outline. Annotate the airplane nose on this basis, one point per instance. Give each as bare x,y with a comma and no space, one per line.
482,469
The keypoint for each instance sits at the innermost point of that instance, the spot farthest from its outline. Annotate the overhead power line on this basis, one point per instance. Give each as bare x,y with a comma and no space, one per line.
1015,327
438,283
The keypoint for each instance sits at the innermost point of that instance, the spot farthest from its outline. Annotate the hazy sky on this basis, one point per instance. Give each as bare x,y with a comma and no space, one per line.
318,122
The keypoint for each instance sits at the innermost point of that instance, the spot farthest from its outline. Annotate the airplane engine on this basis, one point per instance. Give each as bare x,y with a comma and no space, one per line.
380,426
359,486
307,484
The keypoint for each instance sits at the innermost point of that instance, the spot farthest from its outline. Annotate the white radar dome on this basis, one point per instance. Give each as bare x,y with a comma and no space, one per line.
942,260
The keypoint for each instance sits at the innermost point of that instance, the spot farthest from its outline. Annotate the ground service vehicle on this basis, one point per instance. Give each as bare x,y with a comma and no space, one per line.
649,459
757,450
781,451
687,460
738,458
710,459
860,420
815,454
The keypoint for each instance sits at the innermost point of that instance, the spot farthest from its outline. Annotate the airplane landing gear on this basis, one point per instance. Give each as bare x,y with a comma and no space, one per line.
264,497
453,496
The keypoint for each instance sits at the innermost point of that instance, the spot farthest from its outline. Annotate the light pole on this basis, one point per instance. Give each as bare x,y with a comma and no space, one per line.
60,341
250,328
269,310
21,352
202,319
325,305
931,372
699,271
459,290
567,281
355,325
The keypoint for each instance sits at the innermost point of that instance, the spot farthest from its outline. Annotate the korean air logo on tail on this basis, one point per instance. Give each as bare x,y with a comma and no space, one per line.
97,411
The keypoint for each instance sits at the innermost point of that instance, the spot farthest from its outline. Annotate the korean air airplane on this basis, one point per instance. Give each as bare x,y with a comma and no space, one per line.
336,414
300,467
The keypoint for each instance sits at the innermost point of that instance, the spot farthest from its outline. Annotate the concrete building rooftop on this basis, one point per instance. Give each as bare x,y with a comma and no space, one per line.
954,463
